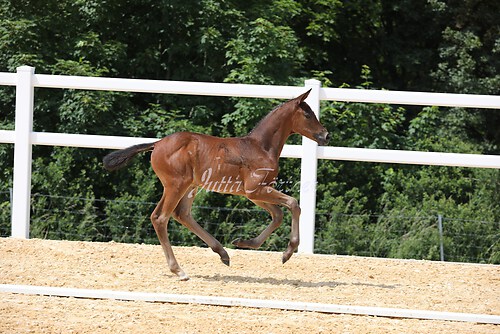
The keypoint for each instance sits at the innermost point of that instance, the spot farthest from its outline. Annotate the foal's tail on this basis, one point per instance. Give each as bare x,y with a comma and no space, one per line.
118,159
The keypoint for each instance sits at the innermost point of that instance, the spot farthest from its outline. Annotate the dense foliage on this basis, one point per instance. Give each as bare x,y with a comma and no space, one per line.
363,208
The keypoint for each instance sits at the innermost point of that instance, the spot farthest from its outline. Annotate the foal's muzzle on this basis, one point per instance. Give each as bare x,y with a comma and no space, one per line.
322,138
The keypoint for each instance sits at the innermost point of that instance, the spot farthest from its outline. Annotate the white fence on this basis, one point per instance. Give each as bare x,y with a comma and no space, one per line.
23,136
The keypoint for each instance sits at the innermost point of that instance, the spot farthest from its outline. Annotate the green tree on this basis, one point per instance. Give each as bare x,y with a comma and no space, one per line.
264,42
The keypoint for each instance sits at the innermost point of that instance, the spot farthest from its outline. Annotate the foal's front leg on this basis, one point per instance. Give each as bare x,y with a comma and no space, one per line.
277,218
272,196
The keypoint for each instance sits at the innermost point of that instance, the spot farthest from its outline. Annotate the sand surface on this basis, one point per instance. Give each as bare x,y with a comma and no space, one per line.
406,284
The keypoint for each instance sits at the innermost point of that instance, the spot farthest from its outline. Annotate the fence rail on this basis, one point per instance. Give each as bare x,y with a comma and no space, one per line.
23,136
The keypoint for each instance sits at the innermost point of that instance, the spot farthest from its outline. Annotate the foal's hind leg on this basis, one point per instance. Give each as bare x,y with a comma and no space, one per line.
277,219
182,214
159,218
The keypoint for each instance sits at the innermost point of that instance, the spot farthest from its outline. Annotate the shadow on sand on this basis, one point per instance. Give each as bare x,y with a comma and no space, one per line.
284,281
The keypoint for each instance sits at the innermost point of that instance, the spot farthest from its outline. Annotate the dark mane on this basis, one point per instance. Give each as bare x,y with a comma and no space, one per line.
268,115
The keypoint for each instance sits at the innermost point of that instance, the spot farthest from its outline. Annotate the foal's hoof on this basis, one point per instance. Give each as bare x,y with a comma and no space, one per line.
286,257
182,275
245,243
238,243
184,278
225,261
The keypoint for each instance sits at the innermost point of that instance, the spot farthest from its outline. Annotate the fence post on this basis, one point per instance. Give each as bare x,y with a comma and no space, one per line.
10,200
441,246
308,172
20,215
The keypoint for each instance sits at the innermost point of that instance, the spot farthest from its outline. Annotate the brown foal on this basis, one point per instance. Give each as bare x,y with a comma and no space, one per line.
246,166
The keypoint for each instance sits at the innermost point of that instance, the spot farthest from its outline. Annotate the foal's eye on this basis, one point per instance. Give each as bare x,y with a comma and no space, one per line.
307,114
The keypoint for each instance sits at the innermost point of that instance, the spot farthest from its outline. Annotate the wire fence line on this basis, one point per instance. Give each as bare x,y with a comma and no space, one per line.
431,237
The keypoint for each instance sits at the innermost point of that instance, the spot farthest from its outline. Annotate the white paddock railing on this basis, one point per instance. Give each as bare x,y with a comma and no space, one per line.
24,138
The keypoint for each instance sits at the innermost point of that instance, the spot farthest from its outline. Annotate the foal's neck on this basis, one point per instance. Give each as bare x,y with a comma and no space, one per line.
273,130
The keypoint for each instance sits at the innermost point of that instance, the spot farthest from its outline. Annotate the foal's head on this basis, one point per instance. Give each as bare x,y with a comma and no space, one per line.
304,121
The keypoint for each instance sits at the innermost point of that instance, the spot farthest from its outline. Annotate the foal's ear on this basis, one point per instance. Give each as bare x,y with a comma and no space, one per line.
302,97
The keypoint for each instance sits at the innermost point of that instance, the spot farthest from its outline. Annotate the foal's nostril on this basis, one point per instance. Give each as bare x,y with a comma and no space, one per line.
322,138
326,138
